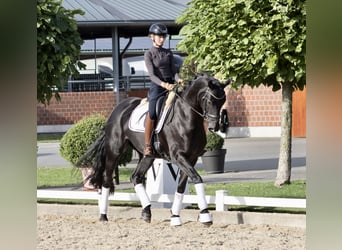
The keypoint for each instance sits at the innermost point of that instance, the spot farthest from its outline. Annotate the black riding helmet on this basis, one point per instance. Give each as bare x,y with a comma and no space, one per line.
158,29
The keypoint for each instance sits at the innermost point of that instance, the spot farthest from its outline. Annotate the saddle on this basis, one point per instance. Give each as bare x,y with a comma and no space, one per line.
164,106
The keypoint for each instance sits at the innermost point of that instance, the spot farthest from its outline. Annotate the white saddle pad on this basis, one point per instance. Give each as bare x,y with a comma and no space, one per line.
137,120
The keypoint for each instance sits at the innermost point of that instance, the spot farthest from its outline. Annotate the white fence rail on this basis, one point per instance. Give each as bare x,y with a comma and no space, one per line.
221,199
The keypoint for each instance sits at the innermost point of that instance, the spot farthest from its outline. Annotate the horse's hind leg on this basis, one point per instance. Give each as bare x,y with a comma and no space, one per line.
178,200
107,186
138,179
104,203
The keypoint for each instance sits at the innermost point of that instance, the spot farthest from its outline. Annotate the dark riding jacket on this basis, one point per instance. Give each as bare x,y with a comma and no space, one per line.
161,68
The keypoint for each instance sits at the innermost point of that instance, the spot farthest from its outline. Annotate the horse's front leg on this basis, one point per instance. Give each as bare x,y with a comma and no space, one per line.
138,179
178,200
204,217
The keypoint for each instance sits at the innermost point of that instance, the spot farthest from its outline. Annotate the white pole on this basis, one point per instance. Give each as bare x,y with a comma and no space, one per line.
219,200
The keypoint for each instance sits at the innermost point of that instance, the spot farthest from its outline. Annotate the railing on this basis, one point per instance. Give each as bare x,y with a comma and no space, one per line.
101,82
136,82
221,199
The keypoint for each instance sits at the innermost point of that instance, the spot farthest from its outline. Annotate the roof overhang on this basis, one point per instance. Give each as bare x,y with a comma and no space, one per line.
131,18
91,30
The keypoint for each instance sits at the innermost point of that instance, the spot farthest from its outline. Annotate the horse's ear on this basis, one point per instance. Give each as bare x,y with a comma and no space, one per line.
210,83
226,83
213,83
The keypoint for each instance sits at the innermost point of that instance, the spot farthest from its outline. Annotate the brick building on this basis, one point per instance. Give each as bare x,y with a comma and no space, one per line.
252,112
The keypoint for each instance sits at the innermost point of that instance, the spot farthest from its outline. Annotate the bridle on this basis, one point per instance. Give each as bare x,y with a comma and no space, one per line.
206,97
206,115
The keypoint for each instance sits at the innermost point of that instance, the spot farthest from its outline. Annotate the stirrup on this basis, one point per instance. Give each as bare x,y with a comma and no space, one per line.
148,150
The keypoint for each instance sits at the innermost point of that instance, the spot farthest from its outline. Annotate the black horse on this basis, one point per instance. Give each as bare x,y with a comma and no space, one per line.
182,140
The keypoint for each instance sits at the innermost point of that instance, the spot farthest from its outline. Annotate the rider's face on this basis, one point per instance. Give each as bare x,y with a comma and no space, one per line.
158,40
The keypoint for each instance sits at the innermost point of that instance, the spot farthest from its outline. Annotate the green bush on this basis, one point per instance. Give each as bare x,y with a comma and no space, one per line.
81,135
214,141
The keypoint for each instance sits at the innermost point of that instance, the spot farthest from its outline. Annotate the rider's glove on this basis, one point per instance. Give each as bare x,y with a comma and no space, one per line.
167,86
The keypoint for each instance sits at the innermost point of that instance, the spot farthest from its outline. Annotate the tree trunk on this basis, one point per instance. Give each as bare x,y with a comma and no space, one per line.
284,164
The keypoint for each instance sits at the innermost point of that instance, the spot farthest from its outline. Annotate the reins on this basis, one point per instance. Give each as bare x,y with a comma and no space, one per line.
204,115
192,108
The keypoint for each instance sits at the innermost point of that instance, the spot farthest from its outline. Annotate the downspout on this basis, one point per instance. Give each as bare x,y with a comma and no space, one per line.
115,58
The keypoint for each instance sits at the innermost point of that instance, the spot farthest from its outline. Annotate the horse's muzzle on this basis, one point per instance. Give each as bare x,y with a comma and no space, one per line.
213,126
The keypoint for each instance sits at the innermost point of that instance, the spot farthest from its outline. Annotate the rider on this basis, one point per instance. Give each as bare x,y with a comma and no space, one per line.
162,70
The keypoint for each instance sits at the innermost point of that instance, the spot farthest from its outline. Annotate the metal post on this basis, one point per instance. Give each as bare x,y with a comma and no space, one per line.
115,57
95,56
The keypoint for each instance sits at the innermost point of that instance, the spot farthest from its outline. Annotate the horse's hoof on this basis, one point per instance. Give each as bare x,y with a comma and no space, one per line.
103,217
146,217
175,220
209,223
205,218
146,214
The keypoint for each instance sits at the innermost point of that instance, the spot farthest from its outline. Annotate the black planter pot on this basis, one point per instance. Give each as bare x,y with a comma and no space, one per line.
213,161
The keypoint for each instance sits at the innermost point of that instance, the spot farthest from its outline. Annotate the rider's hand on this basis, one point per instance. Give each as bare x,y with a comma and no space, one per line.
167,86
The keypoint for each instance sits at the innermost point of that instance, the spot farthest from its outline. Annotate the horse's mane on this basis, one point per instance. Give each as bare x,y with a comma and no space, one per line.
189,83
185,87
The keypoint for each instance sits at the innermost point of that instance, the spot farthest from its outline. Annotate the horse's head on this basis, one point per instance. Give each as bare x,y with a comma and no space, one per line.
212,98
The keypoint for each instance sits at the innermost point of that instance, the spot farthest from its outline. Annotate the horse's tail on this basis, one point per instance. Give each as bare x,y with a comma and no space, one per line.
96,154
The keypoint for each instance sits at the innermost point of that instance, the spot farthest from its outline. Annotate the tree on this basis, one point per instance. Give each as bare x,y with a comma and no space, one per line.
58,48
252,42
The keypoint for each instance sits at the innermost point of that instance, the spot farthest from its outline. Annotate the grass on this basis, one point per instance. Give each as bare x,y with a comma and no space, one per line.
49,137
297,189
68,176
53,177
47,177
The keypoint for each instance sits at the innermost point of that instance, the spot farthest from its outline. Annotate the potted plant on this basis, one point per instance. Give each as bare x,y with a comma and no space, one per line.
79,137
214,157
